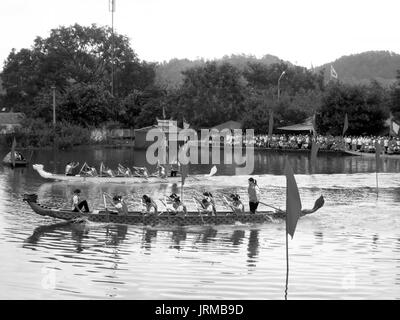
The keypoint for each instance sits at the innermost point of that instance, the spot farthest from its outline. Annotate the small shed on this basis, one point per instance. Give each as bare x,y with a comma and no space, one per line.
300,127
165,126
9,121
228,125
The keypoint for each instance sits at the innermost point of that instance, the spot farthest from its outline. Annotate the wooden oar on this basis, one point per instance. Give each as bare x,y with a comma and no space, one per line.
265,204
198,209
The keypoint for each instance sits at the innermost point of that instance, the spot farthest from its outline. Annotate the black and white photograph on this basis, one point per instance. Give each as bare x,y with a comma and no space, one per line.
211,151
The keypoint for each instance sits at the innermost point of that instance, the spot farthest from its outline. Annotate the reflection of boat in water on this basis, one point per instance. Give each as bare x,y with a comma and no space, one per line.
80,228
137,217
371,155
117,179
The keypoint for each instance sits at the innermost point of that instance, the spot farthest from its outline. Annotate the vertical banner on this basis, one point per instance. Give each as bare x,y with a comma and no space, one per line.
270,125
293,202
314,152
378,150
346,124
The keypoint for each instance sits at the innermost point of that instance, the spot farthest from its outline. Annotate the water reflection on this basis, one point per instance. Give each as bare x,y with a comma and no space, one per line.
252,248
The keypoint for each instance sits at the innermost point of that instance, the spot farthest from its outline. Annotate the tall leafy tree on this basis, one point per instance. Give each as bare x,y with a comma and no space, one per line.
364,105
74,55
211,95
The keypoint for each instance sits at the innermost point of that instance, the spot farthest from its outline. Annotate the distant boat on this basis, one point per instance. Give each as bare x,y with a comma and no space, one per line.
15,158
372,154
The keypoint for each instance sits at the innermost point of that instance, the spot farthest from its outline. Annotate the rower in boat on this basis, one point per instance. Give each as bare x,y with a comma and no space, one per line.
18,156
207,204
148,204
106,172
141,172
70,167
120,205
175,168
124,171
77,203
87,170
160,171
177,205
235,204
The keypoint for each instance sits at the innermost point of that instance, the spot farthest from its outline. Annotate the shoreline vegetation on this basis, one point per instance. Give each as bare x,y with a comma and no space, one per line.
257,92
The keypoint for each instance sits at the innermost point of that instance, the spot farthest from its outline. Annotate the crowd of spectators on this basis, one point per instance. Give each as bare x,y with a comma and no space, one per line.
335,143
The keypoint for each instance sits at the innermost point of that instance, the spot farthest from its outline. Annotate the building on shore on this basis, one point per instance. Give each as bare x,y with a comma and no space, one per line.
168,127
9,121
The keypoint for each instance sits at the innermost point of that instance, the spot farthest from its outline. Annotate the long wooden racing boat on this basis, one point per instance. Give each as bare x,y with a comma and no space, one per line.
137,217
118,179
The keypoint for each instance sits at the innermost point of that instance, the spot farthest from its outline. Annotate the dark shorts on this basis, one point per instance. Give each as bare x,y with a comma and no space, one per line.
253,206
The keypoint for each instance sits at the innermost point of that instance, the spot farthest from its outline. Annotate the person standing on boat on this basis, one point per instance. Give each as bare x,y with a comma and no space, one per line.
149,203
70,167
254,195
77,204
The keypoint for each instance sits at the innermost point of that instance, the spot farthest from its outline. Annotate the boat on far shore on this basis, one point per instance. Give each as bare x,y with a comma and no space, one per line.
372,154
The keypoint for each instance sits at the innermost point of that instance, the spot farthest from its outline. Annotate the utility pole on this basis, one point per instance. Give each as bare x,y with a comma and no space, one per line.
54,105
112,7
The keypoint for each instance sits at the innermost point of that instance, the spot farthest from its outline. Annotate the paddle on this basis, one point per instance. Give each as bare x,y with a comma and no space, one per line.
198,209
265,204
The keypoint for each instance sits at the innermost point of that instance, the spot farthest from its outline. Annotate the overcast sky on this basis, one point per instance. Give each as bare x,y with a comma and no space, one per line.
300,31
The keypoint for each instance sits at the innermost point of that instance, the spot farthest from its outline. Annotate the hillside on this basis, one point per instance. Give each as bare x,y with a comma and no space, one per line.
363,67
169,74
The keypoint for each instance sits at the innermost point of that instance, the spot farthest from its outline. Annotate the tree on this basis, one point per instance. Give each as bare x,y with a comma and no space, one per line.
74,55
87,105
364,105
395,97
211,95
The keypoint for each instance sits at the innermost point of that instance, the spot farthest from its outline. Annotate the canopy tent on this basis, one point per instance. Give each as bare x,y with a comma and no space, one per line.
304,126
228,125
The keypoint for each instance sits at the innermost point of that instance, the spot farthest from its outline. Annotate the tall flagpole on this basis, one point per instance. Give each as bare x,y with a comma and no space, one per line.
287,260
113,45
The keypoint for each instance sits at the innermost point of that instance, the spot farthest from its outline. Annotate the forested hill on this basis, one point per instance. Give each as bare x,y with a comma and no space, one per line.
361,68
169,74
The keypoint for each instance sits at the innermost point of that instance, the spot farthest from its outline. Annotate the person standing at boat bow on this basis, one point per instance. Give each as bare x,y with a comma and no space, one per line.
77,205
254,195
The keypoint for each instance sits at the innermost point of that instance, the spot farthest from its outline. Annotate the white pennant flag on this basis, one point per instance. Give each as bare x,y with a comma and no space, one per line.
333,73
111,5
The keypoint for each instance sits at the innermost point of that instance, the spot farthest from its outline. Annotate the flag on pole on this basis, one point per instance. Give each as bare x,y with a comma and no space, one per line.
111,5
333,73
184,172
271,124
314,125
293,202
378,151
346,124
314,152
13,146
394,128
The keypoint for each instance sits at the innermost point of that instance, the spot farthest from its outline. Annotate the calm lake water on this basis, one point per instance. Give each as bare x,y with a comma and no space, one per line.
349,249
